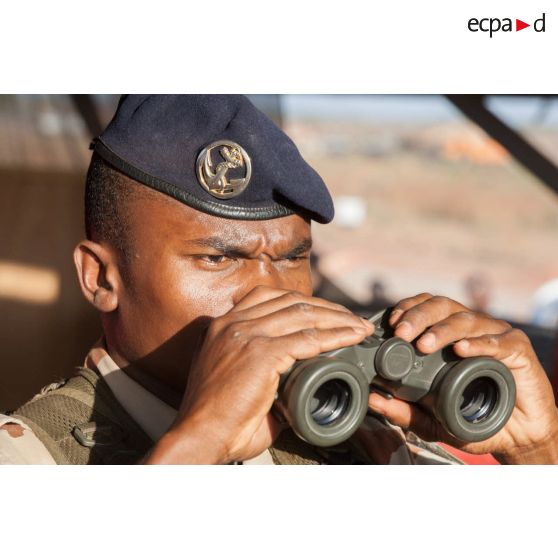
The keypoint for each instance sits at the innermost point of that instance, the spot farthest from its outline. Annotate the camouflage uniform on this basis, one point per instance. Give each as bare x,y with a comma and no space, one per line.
101,415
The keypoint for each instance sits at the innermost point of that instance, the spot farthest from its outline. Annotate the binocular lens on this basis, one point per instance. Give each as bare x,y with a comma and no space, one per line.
479,400
330,402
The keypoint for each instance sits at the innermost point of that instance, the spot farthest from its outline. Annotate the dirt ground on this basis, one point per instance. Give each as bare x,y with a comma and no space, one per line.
442,204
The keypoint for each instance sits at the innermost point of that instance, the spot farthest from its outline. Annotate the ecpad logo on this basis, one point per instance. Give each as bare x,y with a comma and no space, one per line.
493,25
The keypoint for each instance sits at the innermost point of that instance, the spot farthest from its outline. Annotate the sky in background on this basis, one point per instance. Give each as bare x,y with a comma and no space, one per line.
409,109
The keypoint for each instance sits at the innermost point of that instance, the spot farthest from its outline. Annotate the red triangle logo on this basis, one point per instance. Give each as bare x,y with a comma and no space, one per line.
519,25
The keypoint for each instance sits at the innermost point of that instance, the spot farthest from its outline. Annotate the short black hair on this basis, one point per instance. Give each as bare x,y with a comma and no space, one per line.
106,192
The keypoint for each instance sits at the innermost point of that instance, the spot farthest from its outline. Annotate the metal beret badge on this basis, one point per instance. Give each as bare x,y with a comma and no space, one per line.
224,169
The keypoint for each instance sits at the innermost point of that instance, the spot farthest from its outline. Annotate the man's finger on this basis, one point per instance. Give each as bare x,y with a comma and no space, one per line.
309,343
407,416
298,317
456,327
513,348
284,300
415,320
403,305
258,295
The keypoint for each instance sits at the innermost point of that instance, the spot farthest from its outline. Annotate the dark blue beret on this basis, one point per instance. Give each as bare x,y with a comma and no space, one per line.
215,153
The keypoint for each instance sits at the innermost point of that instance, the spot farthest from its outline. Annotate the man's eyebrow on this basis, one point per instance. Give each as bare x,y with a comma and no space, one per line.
228,248
301,248
219,244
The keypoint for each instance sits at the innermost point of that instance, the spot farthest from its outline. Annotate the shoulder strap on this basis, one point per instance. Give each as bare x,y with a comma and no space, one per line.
289,449
81,422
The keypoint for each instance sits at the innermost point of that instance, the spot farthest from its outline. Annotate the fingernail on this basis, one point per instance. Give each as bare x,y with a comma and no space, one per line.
366,323
376,402
463,344
395,314
360,330
403,328
428,339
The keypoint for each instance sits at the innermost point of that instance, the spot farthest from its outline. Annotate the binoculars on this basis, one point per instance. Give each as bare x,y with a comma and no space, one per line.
325,399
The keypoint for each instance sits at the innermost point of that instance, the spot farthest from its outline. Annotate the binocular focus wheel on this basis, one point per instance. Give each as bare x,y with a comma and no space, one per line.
475,399
394,359
327,400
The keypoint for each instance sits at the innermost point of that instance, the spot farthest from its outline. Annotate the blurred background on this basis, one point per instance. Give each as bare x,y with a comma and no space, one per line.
454,195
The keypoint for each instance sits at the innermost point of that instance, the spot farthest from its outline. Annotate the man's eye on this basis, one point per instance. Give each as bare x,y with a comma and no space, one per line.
213,259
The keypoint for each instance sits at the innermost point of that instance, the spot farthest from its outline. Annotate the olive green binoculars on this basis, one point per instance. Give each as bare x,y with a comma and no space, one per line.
325,399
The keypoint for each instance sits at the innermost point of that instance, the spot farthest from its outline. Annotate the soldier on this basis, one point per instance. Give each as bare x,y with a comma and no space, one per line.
198,213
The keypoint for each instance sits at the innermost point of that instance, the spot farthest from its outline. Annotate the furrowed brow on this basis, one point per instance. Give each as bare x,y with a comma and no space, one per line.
235,251
299,249
226,248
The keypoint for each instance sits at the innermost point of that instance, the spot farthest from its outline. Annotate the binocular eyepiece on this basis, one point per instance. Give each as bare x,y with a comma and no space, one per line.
325,399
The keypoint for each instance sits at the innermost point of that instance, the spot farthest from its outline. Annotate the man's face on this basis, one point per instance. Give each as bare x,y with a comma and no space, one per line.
186,267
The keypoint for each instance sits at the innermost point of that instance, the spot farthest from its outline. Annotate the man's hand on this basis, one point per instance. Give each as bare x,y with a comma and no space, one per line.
531,434
233,380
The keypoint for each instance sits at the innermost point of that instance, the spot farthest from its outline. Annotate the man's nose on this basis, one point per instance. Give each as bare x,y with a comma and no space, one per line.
261,272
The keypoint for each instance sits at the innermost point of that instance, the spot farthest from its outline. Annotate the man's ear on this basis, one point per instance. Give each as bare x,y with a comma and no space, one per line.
98,275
